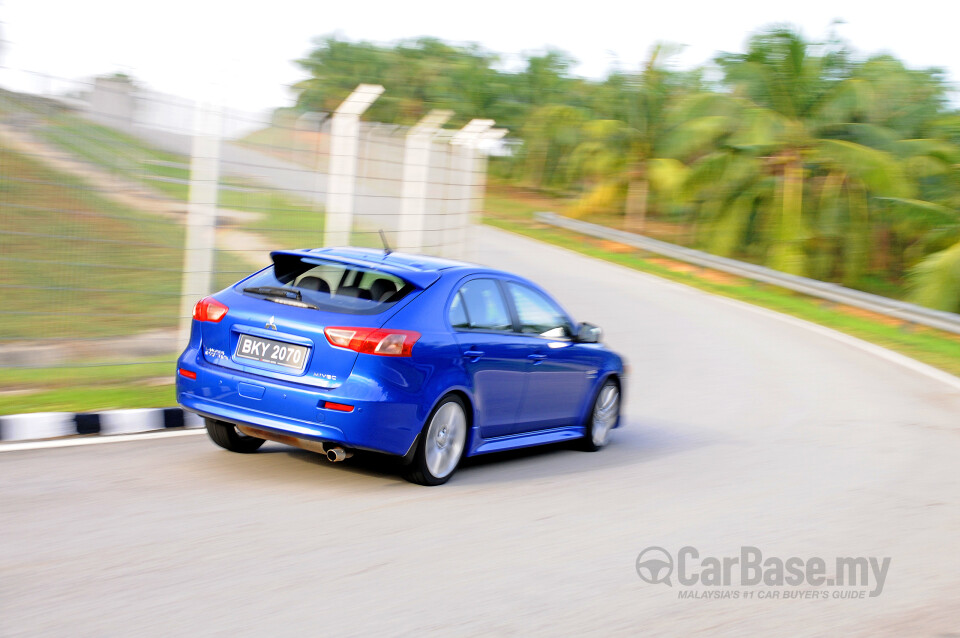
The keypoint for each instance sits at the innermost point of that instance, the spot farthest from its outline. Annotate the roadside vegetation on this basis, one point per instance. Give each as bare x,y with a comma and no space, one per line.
801,155
81,265
77,267
87,388
512,208
75,262
286,220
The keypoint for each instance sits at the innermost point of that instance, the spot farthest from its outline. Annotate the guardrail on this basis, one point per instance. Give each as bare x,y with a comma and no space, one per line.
906,312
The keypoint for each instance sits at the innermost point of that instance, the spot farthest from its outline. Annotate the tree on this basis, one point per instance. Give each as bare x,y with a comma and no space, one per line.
550,136
664,120
801,157
795,190
418,75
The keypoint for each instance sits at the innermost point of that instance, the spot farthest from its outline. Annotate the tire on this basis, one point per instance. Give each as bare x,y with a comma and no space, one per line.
604,416
228,437
440,444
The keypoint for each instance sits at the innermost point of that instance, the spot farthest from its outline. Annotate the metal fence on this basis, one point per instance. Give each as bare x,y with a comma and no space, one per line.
901,310
119,207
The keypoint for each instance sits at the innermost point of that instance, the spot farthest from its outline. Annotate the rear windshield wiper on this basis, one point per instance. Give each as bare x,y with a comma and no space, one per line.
281,295
274,291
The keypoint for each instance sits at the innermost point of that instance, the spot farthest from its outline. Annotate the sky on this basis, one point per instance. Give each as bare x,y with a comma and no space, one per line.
241,53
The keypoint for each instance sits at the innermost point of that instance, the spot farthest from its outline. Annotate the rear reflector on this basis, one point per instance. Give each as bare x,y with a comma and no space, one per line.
187,373
340,407
386,343
209,309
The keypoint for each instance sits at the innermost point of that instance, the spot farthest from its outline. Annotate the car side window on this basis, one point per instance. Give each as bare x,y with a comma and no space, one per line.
538,314
479,305
458,315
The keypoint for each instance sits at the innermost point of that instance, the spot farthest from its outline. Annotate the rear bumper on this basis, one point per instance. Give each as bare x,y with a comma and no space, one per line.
383,419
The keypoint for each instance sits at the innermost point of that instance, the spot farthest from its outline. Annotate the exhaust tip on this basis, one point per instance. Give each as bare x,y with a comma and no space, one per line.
336,454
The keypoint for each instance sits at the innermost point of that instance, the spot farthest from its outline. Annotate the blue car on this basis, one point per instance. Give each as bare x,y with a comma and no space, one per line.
431,360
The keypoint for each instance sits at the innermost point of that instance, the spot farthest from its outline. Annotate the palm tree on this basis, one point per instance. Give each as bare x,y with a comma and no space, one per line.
795,195
662,120
934,227
550,135
935,281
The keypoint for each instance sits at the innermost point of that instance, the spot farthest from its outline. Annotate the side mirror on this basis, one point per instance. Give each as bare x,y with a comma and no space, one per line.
588,333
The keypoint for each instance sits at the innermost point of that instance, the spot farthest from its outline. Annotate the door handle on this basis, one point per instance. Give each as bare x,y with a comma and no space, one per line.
473,355
537,358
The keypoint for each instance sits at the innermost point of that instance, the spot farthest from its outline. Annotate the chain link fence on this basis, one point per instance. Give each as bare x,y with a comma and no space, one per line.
98,181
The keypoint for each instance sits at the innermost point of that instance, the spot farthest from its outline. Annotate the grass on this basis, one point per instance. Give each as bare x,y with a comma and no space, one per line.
78,265
88,387
89,399
512,209
14,380
72,258
289,144
286,220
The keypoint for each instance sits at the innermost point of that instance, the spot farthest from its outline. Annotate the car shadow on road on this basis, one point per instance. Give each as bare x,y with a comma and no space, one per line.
637,442
382,466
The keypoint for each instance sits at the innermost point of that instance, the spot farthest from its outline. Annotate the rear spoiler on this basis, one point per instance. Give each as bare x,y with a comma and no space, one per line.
419,278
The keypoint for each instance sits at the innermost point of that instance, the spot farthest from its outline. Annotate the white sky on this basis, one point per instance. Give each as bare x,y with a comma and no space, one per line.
177,46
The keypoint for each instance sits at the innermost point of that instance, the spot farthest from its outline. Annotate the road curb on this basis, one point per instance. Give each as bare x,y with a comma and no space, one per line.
49,425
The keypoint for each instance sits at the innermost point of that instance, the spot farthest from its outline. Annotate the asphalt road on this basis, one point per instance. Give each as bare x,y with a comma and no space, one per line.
741,429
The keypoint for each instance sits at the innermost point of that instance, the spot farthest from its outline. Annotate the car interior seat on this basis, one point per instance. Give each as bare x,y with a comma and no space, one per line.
314,283
381,289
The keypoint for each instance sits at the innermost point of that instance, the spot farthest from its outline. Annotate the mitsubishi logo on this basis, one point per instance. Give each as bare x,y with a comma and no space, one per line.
271,325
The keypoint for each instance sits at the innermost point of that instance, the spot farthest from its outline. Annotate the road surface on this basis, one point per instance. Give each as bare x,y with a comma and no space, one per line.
741,429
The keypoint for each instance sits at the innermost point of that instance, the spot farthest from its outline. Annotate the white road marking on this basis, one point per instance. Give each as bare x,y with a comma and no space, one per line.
879,351
884,353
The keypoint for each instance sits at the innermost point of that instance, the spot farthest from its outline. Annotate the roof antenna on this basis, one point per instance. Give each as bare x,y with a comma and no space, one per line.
386,247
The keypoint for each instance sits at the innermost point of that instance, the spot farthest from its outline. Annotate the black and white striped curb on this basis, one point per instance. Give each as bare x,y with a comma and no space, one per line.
49,425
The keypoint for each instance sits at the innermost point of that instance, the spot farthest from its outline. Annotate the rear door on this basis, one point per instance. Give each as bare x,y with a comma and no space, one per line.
493,354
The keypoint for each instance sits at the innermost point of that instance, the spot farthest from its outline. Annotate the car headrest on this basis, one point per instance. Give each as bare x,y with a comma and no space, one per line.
381,289
314,283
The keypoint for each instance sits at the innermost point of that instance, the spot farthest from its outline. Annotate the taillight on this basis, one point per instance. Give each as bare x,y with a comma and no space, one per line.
387,343
209,309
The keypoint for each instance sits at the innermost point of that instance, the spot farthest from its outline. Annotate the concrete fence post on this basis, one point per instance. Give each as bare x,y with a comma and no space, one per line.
465,150
341,185
416,173
200,236
479,183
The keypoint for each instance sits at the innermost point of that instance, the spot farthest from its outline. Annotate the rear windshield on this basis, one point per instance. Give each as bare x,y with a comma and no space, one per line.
327,285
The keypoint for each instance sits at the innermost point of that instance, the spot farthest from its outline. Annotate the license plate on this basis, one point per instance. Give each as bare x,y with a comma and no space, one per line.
269,351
